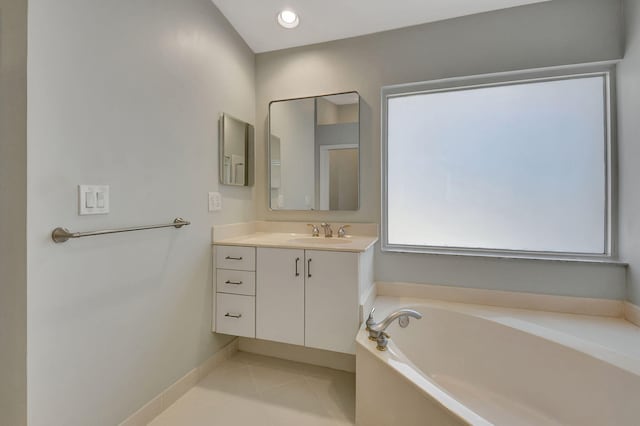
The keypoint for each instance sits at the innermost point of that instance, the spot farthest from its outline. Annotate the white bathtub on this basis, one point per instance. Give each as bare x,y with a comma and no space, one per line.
462,364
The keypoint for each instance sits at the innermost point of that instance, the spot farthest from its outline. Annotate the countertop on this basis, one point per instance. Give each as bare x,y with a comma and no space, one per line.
350,243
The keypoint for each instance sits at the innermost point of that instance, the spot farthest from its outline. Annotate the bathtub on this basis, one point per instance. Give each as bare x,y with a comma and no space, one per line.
465,364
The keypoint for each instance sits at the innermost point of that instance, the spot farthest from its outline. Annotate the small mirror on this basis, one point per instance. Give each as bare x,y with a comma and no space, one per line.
314,153
236,151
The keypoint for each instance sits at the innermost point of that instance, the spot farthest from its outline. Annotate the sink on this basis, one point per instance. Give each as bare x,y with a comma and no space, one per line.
320,240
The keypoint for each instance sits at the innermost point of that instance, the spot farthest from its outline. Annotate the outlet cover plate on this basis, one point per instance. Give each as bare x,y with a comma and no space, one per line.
215,201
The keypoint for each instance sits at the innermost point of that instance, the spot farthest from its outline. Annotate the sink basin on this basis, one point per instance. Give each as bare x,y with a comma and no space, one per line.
320,240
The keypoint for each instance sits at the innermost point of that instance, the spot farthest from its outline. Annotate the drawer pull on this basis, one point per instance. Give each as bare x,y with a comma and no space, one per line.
236,316
297,260
233,258
233,282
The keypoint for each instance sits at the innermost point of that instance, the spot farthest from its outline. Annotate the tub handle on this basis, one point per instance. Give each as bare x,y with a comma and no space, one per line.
382,341
370,320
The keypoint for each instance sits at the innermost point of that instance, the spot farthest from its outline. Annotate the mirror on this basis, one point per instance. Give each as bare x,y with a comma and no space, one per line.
314,153
236,151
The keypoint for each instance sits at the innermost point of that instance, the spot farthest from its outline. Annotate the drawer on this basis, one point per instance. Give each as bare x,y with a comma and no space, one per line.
236,315
236,282
236,257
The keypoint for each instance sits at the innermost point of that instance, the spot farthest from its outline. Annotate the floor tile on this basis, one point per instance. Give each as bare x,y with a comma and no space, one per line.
250,389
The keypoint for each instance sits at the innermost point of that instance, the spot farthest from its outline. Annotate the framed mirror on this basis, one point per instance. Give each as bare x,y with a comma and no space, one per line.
314,153
236,151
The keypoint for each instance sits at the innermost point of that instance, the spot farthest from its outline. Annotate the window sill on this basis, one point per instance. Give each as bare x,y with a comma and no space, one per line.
484,254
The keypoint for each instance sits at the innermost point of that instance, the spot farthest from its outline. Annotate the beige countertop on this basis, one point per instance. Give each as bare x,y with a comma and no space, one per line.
350,243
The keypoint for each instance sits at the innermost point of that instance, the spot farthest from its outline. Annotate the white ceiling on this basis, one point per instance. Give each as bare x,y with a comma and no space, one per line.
325,20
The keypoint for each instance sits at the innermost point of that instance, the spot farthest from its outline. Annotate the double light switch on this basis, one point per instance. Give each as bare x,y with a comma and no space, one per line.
93,199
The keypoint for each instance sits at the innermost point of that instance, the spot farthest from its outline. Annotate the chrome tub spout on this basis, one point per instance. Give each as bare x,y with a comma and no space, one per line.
377,330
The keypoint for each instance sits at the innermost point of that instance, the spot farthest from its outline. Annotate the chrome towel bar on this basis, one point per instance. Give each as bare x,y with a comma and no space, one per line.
60,235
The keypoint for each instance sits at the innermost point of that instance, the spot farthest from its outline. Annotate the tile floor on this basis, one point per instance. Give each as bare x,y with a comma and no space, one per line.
251,389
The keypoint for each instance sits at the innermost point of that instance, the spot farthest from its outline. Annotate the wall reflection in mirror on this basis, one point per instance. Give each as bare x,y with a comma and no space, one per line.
314,148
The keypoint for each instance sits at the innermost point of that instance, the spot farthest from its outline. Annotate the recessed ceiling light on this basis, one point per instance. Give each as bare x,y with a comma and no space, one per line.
288,19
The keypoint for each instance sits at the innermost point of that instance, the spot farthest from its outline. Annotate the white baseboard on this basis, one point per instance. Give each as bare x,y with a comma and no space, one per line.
509,299
632,313
335,360
170,395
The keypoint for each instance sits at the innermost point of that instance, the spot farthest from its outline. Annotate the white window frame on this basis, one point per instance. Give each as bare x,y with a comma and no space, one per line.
605,70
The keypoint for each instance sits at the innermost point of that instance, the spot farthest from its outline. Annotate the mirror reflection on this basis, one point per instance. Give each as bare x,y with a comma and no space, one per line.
236,151
314,147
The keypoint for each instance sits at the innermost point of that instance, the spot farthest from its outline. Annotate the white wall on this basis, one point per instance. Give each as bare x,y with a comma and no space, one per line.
13,208
125,93
629,148
546,34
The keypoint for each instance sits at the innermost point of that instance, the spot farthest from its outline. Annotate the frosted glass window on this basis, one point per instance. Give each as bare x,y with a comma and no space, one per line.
512,167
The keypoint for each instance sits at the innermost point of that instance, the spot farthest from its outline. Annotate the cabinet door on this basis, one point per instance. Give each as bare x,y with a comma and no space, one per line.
280,295
331,300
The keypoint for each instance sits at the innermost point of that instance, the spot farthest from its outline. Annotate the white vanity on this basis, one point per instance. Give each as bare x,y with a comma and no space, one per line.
274,281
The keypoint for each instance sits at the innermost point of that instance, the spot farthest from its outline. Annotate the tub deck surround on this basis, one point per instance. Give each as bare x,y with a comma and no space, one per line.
508,299
475,364
632,313
295,235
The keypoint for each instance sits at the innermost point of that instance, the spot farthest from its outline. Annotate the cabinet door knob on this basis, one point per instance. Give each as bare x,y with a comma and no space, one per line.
309,268
297,260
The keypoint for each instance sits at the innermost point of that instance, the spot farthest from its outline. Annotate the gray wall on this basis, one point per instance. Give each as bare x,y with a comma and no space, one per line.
547,34
125,93
13,212
629,148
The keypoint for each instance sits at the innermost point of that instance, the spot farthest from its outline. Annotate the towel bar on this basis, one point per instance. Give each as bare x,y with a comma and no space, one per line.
60,235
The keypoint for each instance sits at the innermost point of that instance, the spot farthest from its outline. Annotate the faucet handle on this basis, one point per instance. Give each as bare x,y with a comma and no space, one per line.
342,231
370,320
315,232
382,341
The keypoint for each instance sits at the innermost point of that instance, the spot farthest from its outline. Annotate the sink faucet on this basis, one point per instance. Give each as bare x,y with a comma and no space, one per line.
315,232
328,232
377,330
342,232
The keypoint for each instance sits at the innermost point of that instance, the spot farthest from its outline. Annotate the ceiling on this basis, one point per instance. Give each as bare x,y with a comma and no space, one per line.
325,20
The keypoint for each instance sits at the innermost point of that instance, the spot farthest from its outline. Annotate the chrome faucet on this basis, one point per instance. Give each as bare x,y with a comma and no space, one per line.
315,232
328,232
377,330
342,232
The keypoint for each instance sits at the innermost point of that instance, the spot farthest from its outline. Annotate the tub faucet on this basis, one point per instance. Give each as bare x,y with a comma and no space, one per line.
377,330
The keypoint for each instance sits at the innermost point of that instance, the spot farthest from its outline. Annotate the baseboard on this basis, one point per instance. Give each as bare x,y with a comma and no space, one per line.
632,313
170,395
509,299
335,360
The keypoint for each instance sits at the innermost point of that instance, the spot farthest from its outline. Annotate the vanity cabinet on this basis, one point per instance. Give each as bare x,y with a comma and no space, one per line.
331,300
235,290
301,297
280,309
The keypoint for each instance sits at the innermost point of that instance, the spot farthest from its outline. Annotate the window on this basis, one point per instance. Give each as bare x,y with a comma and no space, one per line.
516,165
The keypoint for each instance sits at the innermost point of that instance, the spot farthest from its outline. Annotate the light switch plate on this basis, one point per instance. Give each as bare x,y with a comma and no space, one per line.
215,201
93,199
